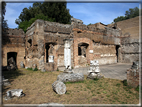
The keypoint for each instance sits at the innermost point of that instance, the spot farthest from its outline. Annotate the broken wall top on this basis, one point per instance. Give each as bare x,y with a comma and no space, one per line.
13,32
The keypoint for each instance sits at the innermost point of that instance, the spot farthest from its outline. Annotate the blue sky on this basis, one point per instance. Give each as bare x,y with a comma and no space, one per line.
87,12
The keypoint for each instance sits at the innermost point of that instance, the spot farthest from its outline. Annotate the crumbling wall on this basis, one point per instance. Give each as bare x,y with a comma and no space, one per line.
105,54
133,75
43,34
13,40
130,50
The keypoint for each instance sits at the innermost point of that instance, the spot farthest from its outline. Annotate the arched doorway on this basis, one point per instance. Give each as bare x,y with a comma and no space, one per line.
83,54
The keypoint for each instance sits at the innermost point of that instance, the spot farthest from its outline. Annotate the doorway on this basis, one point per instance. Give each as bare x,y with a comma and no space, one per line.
117,52
12,55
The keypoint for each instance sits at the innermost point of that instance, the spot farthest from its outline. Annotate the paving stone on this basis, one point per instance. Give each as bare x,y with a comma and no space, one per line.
115,71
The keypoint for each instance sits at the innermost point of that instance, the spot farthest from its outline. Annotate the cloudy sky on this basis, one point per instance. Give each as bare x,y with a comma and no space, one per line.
88,12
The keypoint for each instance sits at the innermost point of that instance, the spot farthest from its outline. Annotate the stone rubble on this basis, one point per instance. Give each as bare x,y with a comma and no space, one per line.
70,77
5,81
59,87
14,92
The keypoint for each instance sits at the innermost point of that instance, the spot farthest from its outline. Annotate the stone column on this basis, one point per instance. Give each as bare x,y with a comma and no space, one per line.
67,53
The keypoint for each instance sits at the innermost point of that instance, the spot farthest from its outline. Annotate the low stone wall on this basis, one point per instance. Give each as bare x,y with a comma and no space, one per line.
133,78
133,75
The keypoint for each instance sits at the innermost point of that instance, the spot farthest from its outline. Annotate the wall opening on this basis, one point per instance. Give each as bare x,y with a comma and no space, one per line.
13,56
29,42
79,51
82,49
117,52
49,50
47,54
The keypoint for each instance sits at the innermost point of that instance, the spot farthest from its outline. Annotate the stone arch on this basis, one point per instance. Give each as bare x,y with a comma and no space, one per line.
84,41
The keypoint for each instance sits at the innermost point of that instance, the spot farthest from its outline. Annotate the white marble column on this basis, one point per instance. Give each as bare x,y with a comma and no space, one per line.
67,53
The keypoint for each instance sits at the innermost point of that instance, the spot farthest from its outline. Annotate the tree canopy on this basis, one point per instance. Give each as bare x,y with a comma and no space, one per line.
4,23
48,11
131,13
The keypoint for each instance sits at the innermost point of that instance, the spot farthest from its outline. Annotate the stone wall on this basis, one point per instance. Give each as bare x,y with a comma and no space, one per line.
44,39
43,34
133,75
13,40
130,49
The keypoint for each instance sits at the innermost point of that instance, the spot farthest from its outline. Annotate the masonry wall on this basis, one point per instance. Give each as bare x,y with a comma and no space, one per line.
103,47
130,50
13,40
43,33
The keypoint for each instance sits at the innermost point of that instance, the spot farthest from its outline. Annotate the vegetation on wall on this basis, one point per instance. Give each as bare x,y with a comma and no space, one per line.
48,11
131,13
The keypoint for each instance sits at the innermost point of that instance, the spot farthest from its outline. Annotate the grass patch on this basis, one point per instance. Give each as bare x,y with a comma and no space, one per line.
29,69
74,82
38,89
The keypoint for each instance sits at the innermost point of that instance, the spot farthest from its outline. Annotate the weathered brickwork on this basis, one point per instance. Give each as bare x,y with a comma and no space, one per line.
43,44
13,41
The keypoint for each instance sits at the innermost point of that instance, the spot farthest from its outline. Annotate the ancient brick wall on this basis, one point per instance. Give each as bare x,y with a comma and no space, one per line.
103,47
43,34
13,41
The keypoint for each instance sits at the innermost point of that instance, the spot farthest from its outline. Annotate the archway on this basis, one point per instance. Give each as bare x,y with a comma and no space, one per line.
83,49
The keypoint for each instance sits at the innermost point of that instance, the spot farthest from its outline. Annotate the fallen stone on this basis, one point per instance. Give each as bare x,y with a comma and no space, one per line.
73,77
15,92
67,70
59,87
93,75
5,82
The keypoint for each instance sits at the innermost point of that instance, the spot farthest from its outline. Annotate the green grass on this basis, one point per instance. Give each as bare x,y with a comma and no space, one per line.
74,82
97,91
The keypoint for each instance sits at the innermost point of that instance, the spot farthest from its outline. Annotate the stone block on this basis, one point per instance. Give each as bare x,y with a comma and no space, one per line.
70,77
59,87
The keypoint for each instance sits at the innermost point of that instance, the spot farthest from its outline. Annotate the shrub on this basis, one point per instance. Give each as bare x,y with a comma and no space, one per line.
29,69
137,88
125,82
35,69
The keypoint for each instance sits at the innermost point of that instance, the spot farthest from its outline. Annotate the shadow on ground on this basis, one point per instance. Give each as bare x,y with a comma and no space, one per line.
12,74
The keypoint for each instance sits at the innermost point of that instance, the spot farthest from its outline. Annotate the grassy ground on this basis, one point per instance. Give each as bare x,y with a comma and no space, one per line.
37,86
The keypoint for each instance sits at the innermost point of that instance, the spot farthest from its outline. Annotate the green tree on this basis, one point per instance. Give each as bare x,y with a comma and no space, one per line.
48,11
4,23
131,13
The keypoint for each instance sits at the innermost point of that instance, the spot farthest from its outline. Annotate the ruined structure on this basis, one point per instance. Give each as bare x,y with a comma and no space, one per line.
53,46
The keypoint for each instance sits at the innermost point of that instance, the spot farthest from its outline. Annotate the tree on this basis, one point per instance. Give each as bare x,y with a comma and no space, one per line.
131,13
4,23
48,11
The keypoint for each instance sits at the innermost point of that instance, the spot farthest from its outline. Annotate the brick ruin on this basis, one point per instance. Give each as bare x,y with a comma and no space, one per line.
52,45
